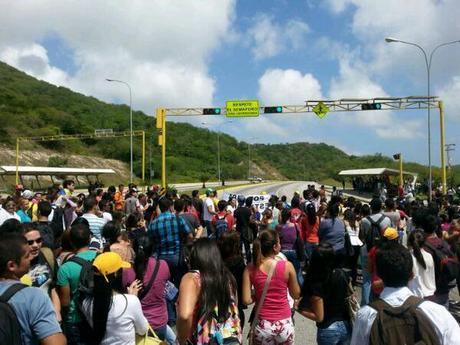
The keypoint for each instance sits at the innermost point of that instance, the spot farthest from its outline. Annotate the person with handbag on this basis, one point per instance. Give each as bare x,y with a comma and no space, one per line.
325,297
207,307
291,242
154,274
272,281
114,317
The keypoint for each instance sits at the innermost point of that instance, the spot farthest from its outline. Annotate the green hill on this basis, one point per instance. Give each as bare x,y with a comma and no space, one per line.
29,107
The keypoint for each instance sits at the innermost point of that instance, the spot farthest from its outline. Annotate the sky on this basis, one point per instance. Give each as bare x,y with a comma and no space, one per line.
201,53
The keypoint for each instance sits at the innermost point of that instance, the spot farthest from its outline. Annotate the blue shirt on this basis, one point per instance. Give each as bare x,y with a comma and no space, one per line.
167,229
332,231
35,313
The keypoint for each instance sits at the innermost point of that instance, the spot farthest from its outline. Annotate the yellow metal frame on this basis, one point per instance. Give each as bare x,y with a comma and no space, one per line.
78,137
342,105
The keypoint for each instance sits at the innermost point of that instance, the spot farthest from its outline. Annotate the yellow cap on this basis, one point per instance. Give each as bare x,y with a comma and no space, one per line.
109,262
391,233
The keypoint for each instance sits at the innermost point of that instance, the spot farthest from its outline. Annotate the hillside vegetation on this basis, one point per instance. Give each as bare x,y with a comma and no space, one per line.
30,107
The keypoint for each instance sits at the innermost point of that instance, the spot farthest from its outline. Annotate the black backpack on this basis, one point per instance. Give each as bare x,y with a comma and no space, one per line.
401,325
373,236
10,329
446,266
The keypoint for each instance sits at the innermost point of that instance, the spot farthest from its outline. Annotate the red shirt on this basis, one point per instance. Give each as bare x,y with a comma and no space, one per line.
371,258
228,218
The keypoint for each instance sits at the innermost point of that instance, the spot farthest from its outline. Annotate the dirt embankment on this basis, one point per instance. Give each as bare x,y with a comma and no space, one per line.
41,156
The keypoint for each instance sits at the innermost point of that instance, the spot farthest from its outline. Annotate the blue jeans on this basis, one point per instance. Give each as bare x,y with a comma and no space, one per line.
309,248
209,228
291,255
338,333
366,288
167,334
176,275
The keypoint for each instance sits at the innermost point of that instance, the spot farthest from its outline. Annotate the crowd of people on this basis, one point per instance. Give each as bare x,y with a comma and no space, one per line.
118,266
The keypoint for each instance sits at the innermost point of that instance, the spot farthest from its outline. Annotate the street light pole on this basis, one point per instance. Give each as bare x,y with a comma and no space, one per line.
218,147
428,69
130,125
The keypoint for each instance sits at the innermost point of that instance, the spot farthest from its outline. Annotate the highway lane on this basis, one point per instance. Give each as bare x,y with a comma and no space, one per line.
278,188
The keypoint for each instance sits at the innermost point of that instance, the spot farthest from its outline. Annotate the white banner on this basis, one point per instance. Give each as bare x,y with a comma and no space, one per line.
259,201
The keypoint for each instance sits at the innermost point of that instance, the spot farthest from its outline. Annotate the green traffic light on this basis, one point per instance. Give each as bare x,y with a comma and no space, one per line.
217,111
279,109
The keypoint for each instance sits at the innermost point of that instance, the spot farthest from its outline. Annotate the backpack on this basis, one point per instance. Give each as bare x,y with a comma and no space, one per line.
401,325
446,265
86,279
373,236
10,329
212,331
221,226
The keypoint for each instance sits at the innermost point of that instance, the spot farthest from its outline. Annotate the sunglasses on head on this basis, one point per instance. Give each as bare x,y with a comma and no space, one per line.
38,241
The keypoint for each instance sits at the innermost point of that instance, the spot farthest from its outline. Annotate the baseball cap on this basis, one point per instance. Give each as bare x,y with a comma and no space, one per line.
109,262
390,233
27,194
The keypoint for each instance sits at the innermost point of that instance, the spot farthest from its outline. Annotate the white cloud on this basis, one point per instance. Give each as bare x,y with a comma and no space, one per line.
277,86
450,95
268,38
34,60
161,48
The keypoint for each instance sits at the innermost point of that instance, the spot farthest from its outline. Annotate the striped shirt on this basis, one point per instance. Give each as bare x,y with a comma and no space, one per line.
167,229
95,224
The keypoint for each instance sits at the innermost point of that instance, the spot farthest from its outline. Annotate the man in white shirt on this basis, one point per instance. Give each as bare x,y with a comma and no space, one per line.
209,210
394,267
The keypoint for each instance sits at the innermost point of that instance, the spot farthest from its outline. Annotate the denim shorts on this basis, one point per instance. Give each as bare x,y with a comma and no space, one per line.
338,333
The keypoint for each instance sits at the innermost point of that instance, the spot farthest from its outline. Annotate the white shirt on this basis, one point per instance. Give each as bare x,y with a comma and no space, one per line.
107,216
444,324
206,214
124,321
354,235
5,215
424,283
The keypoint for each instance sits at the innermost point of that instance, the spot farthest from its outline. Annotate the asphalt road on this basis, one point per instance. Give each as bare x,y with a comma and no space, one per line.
279,188
305,329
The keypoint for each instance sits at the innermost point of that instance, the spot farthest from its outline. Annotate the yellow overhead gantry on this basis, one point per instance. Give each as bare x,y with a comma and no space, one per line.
96,135
320,108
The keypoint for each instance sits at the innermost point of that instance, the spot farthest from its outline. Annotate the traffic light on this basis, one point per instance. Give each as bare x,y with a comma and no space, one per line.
211,111
397,156
273,110
371,106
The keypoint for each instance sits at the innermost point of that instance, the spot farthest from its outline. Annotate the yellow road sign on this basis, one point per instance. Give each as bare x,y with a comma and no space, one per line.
321,109
242,108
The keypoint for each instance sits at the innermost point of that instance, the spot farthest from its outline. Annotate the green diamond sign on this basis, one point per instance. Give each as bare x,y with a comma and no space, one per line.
321,109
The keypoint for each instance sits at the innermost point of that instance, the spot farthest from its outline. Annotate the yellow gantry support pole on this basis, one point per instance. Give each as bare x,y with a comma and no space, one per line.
17,160
401,180
143,157
163,153
443,153
161,126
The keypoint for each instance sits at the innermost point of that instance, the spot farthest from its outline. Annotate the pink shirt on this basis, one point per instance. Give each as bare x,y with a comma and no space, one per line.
276,304
154,302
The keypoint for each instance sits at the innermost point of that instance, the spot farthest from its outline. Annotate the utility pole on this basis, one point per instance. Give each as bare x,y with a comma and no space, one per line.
450,148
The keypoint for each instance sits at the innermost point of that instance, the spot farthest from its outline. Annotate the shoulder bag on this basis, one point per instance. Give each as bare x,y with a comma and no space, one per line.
261,302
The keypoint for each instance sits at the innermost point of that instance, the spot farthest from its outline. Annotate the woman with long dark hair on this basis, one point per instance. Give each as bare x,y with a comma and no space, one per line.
207,311
352,228
288,232
153,278
273,324
114,317
423,284
311,229
324,297
230,249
